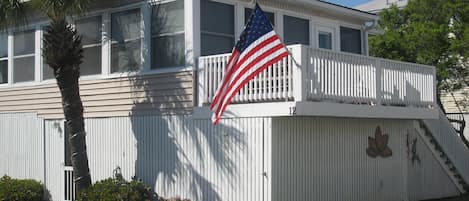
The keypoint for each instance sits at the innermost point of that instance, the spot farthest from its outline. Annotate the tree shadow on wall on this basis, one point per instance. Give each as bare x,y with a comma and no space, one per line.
176,153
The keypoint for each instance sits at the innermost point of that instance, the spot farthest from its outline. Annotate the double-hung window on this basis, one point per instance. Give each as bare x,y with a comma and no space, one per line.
126,41
167,35
23,56
295,30
217,27
3,58
91,31
325,37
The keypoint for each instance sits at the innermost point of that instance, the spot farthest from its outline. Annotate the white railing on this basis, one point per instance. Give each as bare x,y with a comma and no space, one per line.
350,78
311,74
451,143
273,84
69,194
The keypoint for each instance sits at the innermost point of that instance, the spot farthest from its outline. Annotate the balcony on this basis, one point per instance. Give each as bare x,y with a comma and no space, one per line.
317,82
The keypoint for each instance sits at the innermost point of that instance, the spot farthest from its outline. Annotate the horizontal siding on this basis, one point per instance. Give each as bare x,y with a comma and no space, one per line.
181,156
21,146
325,159
152,94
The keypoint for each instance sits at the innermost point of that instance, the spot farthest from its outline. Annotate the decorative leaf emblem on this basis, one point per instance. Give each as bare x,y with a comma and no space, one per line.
378,146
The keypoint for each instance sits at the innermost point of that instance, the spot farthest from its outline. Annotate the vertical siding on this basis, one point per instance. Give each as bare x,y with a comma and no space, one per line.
181,156
21,146
325,159
427,179
54,161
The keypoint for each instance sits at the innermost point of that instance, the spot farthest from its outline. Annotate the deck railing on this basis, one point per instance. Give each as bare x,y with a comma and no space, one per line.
311,74
69,188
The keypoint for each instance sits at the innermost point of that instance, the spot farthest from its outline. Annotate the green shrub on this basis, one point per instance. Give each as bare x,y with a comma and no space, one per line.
113,189
20,189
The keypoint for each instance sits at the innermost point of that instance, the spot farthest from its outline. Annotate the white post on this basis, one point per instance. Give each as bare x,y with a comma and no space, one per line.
201,83
299,72
378,81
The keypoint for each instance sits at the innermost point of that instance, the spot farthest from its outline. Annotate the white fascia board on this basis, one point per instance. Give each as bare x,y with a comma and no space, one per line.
339,9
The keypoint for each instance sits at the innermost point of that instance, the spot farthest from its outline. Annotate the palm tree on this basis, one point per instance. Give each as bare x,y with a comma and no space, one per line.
63,52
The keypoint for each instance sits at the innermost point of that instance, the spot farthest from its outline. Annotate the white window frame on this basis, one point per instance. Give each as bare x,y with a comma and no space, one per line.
327,29
149,65
37,54
362,38
7,58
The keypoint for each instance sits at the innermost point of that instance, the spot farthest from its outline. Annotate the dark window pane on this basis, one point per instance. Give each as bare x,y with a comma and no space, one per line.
296,30
47,72
91,61
350,40
3,45
125,56
24,43
168,51
167,17
217,17
212,44
325,40
3,71
247,15
23,69
125,25
90,30
126,43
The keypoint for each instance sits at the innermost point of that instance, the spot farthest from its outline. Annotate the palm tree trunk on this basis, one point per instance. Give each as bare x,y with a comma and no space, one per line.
64,53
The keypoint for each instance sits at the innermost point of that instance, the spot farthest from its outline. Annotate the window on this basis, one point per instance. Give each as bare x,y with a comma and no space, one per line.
90,29
3,58
217,27
23,56
350,40
248,12
126,41
167,35
47,72
296,30
325,37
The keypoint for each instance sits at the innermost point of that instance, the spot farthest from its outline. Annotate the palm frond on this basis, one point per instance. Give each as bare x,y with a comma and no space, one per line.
62,8
12,13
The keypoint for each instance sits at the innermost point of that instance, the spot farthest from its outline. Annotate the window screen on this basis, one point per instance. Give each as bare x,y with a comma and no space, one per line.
296,30
350,40
325,40
126,41
167,31
23,57
91,31
217,27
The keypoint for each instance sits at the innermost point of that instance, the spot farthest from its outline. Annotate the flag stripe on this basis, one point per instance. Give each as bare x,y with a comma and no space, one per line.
245,60
266,65
221,89
242,71
251,50
254,66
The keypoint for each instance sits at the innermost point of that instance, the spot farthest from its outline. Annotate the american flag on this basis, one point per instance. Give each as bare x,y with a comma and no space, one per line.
258,47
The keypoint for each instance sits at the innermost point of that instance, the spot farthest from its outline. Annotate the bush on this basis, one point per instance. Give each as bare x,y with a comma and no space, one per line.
116,189
20,189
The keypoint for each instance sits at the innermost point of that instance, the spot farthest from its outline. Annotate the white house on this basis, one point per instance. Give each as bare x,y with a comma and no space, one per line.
326,123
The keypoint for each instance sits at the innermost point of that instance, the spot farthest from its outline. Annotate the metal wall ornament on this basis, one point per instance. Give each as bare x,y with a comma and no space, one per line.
412,150
378,146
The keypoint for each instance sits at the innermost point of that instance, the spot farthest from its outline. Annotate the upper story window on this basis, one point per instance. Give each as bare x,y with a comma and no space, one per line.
3,58
248,12
23,56
167,35
126,41
217,27
350,40
296,30
325,38
47,72
91,31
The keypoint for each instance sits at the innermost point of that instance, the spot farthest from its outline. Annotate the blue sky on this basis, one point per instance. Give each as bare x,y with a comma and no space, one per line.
348,3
